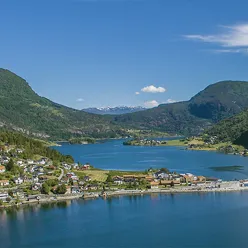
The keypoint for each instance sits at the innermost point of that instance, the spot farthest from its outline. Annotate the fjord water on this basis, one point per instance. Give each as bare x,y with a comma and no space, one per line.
200,220
190,220
111,154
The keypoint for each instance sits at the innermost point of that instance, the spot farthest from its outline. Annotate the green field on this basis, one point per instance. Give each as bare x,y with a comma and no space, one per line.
101,175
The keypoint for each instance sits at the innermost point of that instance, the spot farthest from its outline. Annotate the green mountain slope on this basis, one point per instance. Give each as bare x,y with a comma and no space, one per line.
234,129
216,102
23,110
221,100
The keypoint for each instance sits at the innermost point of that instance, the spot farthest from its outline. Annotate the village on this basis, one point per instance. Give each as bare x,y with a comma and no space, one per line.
25,179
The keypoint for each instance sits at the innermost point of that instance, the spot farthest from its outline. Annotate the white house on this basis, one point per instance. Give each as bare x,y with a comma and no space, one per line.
36,186
42,162
4,196
29,161
74,178
161,175
5,159
35,179
18,180
118,180
19,162
75,166
4,182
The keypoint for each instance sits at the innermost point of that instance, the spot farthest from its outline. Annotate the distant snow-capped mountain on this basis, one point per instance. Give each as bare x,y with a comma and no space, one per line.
113,110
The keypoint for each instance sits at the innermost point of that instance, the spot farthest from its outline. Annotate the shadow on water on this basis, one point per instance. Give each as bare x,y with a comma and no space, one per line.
13,211
233,168
236,168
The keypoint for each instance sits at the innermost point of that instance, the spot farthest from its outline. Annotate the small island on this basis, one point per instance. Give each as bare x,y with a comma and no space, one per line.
82,141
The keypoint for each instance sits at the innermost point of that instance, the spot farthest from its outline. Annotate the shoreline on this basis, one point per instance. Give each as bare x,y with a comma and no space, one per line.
118,193
185,147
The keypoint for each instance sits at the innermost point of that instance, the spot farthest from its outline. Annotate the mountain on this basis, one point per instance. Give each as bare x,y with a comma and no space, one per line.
23,110
114,110
216,102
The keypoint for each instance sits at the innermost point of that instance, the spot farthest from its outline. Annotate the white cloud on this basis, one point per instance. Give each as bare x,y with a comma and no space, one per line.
80,100
153,89
137,93
235,36
151,104
170,101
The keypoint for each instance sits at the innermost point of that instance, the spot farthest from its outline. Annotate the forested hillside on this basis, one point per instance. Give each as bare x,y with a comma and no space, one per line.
234,129
31,147
23,110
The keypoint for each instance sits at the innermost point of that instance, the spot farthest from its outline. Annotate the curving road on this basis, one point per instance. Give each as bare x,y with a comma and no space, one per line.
61,175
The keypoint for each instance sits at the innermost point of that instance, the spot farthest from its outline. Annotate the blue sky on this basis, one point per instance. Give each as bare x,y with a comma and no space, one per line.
84,53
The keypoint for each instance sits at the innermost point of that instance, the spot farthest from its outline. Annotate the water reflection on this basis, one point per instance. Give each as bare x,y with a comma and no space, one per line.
157,220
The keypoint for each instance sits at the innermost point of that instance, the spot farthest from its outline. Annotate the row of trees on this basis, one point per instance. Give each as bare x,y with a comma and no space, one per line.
49,184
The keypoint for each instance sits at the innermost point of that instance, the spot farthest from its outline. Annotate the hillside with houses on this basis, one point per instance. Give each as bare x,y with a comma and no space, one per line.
26,174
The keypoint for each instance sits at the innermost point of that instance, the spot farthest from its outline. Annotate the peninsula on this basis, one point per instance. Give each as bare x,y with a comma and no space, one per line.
203,143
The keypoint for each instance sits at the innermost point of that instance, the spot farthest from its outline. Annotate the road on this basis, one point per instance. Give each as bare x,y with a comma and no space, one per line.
61,175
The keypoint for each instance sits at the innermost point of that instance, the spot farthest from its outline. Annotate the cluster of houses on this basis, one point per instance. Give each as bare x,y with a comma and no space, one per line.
161,178
149,142
31,167
78,185
75,166
36,172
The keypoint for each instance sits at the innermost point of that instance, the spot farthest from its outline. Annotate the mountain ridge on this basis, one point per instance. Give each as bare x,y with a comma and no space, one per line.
24,110
211,105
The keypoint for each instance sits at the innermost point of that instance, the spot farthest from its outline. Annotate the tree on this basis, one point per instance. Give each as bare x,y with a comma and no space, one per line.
52,182
70,182
61,189
45,189
10,193
172,184
82,175
10,165
109,179
165,170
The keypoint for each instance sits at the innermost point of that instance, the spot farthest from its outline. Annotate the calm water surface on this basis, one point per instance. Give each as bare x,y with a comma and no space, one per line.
113,155
207,220
200,220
